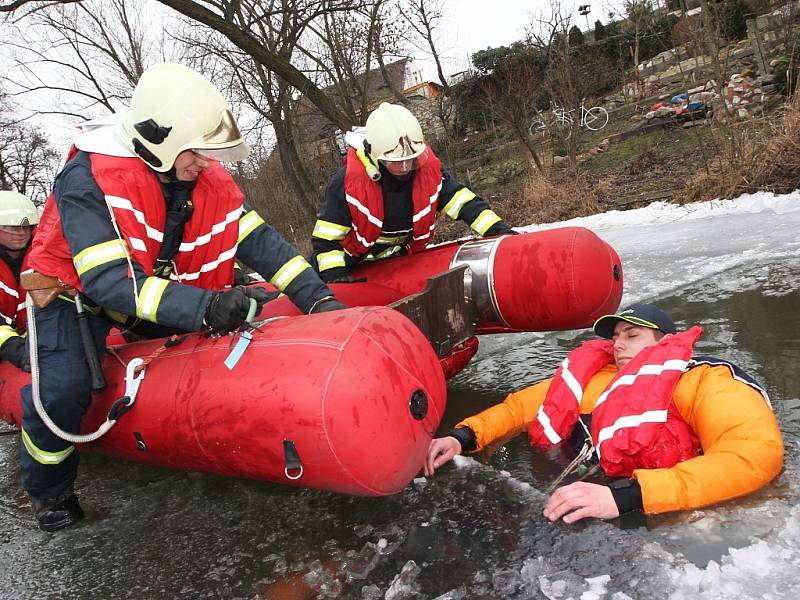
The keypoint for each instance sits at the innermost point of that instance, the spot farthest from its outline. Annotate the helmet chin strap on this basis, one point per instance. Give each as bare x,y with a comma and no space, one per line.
171,175
171,178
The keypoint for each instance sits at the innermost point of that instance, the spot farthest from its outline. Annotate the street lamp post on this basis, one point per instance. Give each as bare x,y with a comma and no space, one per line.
585,9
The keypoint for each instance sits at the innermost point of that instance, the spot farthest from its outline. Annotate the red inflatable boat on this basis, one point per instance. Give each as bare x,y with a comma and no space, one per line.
310,399
548,280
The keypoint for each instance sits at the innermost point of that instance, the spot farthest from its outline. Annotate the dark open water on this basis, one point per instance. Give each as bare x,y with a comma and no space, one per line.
474,531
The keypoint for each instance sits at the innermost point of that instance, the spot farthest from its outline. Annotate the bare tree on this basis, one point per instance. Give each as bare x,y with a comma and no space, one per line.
225,17
423,19
513,89
89,54
389,39
638,12
27,162
331,41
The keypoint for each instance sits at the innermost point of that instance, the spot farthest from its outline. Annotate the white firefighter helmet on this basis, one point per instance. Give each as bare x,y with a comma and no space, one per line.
394,134
16,210
173,109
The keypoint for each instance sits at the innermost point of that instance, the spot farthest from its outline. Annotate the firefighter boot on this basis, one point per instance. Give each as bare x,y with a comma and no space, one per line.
56,513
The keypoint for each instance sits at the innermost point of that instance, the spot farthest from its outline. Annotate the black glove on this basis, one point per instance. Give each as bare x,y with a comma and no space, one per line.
500,228
240,277
15,351
327,304
228,310
348,279
260,295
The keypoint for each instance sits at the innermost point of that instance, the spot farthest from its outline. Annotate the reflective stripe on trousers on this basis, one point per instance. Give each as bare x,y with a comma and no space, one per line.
48,466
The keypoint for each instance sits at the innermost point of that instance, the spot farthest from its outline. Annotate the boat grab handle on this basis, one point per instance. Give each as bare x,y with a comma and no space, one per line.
292,461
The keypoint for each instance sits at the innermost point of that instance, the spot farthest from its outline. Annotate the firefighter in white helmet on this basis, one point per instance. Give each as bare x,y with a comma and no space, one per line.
385,199
145,224
18,218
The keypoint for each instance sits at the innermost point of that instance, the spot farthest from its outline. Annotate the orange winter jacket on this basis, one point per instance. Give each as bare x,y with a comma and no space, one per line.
739,434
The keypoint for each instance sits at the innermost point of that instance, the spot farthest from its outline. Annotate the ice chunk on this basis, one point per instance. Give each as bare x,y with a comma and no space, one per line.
363,563
391,539
457,594
371,592
561,585
404,583
322,581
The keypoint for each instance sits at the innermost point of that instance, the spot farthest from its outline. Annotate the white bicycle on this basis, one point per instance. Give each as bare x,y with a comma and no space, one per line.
593,118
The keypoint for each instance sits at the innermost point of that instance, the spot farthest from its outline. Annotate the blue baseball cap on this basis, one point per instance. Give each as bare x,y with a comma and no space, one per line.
643,315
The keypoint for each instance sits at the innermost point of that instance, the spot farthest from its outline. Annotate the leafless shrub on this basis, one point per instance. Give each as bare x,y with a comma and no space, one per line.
558,195
767,162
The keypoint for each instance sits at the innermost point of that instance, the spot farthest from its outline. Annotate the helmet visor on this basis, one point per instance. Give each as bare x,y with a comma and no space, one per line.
227,132
17,229
224,143
405,150
235,154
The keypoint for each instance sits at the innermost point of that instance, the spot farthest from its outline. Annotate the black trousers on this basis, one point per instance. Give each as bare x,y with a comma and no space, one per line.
50,464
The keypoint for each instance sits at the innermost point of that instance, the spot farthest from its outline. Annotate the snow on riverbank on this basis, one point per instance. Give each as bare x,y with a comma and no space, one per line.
666,246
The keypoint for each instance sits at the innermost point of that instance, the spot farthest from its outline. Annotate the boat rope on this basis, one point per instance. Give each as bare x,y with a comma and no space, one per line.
118,408
173,340
585,453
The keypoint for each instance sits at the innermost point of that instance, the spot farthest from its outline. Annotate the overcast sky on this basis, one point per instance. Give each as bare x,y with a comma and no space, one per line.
480,24
467,26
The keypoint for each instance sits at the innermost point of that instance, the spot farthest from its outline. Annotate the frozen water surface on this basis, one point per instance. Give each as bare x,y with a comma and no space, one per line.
475,530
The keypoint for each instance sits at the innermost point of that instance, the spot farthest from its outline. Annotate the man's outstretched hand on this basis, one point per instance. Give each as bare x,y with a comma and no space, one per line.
579,500
440,451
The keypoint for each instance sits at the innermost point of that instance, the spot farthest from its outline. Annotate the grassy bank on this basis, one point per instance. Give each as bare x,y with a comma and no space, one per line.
672,164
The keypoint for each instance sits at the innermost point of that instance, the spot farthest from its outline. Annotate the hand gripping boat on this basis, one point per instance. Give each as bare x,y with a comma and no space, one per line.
308,400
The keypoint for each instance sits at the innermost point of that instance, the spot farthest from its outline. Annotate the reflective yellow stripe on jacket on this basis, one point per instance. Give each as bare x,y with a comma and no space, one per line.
330,260
392,239
150,297
391,251
287,273
485,220
457,202
327,230
99,254
43,456
248,223
6,333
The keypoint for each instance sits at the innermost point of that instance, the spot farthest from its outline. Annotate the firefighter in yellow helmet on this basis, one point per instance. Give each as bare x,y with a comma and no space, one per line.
145,224
18,218
385,199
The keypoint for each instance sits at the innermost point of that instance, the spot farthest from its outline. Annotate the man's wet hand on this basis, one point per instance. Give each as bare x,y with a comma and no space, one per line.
440,451
579,500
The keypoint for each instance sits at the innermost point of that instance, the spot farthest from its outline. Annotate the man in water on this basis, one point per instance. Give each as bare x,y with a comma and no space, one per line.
671,432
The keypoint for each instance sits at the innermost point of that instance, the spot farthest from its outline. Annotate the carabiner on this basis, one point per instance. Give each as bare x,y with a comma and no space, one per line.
132,380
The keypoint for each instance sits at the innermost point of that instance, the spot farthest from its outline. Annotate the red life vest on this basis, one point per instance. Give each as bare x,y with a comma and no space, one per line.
635,423
365,201
133,193
12,298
